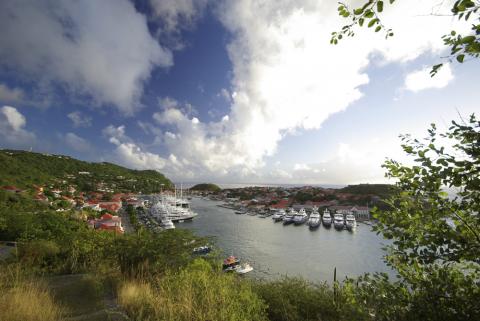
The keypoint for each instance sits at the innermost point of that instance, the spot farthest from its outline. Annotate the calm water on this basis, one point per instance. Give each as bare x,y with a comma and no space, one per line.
275,249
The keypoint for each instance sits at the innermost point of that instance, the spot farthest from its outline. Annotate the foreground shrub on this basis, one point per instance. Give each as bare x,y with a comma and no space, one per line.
292,299
195,293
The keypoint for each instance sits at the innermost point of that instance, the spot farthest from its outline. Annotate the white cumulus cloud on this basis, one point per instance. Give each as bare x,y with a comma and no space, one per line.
12,129
97,49
287,76
130,154
419,80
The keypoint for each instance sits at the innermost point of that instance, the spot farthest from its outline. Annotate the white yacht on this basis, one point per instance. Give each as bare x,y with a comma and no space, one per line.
177,210
167,224
301,217
314,220
338,221
350,222
288,218
278,216
327,218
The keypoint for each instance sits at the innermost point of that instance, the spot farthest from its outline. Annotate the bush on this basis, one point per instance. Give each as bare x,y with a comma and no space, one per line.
197,292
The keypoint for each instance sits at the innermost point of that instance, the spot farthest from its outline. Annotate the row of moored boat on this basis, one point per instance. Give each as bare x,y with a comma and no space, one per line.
315,219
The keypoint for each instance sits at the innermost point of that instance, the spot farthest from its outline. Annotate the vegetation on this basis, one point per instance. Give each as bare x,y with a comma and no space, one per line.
22,299
206,187
198,292
432,220
23,169
380,190
369,14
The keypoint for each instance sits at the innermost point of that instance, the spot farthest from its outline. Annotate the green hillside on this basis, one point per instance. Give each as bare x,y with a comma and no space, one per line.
23,169
206,187
382,190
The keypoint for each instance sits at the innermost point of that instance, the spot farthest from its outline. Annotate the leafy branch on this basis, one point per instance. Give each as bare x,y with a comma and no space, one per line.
461,46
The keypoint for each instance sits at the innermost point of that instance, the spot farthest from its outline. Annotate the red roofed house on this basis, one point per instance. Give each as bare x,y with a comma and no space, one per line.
282,204
110,206
107,222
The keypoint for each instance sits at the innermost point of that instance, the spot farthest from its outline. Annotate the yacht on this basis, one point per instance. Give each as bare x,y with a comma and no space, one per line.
288,218
314,220
278,216
301,217
351,223
173,209
167,224
327,219
338,221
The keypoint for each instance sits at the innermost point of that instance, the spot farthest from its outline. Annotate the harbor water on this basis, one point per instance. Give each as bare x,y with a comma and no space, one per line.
276,250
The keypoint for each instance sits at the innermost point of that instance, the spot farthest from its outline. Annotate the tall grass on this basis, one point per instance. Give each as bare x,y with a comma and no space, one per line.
195,293
25,300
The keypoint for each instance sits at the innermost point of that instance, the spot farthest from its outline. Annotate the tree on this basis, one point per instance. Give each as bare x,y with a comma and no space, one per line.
369,14
433,221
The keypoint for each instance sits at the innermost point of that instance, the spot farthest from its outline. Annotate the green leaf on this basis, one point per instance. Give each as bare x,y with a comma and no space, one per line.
460,58
372,22
369,14
467,39
360,21
358,11
378,28
380,6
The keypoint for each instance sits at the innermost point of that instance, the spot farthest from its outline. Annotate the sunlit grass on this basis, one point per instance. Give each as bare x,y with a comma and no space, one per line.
25,300
196,293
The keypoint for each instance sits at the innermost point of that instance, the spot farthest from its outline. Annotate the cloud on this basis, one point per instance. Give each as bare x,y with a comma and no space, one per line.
130,154
79,119
77,143
287,77
86,47
225,94
301,167
11,94
12,129
176,14
419,80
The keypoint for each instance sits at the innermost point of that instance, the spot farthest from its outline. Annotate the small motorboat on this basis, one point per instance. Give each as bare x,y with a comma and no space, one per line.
278,216
243,268
241,211
202,250
230,263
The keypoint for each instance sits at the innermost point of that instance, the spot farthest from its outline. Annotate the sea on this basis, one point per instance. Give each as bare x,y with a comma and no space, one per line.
276,250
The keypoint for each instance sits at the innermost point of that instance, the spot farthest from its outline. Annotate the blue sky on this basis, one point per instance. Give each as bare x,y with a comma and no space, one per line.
225,91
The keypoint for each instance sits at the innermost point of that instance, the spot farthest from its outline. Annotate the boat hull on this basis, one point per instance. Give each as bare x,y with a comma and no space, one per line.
327,223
